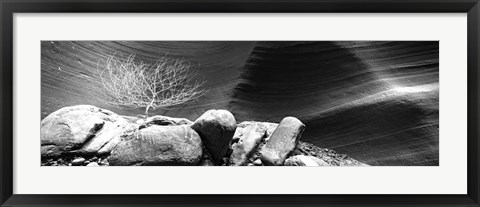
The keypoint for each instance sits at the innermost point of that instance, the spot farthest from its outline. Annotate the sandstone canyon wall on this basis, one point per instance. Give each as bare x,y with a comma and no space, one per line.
375,101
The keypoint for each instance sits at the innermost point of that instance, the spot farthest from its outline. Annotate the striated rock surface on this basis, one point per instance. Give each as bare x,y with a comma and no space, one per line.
159,145
69,71
282,142
216,128
375,101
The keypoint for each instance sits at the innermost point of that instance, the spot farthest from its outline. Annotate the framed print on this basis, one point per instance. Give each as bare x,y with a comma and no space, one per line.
239,103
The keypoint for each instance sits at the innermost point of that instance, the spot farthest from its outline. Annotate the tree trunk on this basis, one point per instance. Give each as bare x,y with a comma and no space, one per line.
148,107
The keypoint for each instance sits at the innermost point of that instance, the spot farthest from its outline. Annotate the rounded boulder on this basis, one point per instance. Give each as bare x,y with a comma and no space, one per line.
216,128
78,129
158,145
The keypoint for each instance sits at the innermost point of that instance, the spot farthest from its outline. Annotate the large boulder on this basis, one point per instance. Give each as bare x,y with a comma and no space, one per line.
249,139
216,128
81,129
302,160
282,142
159,145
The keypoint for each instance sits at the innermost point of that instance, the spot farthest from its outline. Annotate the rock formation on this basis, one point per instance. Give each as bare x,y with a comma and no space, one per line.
216,128
159,145
282,142
249,139
80,129
376,101
97,137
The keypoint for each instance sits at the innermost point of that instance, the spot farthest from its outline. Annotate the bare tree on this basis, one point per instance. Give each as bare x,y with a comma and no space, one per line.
165,83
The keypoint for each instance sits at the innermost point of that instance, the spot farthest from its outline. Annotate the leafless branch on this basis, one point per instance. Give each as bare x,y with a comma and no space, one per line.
165,83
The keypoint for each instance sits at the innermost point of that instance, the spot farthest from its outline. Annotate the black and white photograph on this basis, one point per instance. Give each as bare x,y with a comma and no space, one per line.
239,103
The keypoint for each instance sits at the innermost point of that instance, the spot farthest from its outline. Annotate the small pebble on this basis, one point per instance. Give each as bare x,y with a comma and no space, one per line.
257,162
78,161
104,162
93,164
207,163
225,160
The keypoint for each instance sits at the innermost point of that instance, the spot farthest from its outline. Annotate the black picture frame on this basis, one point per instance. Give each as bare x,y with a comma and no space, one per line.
9,7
